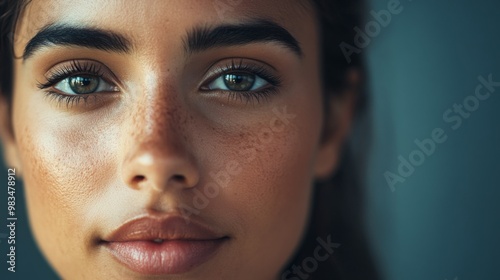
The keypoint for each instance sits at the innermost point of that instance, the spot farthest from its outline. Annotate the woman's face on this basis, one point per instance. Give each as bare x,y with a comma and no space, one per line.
175,138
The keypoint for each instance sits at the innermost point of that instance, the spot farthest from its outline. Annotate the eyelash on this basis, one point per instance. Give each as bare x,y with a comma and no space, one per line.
75,68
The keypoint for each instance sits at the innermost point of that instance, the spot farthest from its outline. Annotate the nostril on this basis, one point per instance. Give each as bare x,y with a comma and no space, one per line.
138,179
179,178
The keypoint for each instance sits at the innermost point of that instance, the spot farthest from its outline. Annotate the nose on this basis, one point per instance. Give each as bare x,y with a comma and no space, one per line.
156,150
147,168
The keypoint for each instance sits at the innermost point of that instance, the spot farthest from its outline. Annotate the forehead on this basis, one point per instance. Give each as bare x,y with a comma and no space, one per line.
153,21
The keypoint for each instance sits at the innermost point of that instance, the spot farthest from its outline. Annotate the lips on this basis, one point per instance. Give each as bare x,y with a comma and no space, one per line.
163,245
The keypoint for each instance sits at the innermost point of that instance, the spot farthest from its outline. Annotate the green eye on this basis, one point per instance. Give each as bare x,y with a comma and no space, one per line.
83,84
239,82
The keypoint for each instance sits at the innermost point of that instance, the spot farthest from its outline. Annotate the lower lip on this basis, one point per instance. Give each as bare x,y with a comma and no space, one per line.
169,257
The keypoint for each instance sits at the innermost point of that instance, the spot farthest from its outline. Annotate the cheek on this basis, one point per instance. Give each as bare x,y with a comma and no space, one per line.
266,177
64,167
272,192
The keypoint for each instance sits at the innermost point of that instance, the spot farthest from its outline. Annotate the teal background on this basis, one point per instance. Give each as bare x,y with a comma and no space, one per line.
442,222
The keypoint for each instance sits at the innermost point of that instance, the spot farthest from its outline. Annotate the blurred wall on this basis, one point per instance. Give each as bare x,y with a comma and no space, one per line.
443,221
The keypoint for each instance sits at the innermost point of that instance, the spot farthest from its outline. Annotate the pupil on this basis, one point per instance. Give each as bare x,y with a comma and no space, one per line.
239,82
84,84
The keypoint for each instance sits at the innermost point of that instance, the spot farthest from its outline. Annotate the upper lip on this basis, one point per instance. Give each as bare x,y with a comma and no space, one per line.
150,228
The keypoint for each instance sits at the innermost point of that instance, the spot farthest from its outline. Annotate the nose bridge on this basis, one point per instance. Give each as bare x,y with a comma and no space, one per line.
158,110
155,150
157,116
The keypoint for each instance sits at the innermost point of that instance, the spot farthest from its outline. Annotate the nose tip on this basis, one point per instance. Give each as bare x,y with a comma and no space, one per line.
160,171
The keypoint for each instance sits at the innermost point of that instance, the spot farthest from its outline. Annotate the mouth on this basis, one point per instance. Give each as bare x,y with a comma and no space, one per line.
161,246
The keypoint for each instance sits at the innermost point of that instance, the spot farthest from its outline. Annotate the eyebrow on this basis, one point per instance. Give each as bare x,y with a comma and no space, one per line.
261,31
64,35
199,39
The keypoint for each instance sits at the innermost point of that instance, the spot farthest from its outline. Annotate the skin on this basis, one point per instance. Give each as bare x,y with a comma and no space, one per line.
148,148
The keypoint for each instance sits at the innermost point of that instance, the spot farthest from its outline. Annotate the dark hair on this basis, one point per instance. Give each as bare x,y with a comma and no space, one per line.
10,11
337,210
338,203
